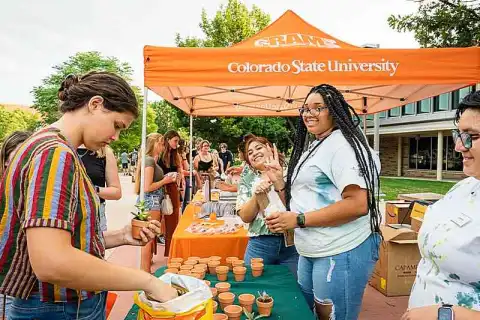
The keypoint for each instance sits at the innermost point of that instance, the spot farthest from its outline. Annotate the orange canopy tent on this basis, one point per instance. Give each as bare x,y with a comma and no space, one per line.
270,73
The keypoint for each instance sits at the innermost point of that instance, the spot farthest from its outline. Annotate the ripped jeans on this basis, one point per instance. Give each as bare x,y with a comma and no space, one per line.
339,279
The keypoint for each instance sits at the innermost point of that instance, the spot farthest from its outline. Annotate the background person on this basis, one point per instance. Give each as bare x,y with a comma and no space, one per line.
226,156
124,161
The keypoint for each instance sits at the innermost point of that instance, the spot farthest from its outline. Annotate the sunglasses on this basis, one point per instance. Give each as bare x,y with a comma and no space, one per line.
465,137
312,111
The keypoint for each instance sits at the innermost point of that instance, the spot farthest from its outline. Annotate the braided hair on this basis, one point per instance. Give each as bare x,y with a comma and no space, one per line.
341,113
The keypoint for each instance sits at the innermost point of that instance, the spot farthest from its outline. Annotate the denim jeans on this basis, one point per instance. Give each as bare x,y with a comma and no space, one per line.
32,308
273,251
339,279
186,199
8,302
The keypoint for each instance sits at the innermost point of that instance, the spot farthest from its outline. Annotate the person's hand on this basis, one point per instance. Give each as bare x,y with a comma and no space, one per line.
263,187
160,291
422,313
279,222
147,234
169,179
274,169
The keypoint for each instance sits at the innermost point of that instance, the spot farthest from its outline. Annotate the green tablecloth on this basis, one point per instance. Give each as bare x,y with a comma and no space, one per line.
277,281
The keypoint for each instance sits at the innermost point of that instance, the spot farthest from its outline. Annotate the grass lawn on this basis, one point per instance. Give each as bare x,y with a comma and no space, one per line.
392,187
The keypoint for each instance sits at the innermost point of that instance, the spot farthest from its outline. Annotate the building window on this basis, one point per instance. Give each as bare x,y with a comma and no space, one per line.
395,112
383,115
459,95
443,102
408,109
425,106
370,117
423,154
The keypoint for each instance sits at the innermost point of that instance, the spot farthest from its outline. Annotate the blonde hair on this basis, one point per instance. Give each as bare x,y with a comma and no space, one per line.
152,139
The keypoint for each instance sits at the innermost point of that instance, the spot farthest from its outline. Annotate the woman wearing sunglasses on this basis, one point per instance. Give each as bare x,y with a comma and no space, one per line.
448,276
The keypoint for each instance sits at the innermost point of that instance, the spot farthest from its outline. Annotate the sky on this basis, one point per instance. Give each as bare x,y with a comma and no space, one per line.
36,35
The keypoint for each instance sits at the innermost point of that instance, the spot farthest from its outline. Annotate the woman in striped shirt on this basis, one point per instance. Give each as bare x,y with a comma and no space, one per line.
51,246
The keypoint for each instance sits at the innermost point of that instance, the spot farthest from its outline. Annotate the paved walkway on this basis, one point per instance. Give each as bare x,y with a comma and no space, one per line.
375,305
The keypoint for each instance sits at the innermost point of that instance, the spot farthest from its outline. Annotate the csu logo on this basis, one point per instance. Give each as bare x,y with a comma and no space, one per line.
296,40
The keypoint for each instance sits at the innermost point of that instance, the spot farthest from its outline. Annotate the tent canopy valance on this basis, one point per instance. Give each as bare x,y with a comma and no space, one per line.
271,73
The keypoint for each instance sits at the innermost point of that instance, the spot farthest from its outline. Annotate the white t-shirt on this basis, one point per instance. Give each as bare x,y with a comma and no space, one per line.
320,182
449,243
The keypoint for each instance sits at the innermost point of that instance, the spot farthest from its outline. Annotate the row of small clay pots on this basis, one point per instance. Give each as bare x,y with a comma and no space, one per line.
190,268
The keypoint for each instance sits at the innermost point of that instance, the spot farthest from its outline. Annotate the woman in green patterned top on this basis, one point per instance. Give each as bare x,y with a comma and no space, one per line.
257,197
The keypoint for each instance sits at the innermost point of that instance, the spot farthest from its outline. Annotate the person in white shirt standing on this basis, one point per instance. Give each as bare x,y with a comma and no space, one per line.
448,276
331,194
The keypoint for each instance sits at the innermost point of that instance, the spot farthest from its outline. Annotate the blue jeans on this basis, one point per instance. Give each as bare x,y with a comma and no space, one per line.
32,308
339,280
8,303
186,199
273,251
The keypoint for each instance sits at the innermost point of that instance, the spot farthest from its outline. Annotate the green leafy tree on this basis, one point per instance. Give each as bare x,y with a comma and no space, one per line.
442,23
16,120
233,23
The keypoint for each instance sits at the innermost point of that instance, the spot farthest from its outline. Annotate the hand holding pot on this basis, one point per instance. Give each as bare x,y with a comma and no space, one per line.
279,222
160,291
147,234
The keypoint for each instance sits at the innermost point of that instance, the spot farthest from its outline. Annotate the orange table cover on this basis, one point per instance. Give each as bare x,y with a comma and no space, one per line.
185,244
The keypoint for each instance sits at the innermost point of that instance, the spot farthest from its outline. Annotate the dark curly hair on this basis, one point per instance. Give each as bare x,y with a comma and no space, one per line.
471,101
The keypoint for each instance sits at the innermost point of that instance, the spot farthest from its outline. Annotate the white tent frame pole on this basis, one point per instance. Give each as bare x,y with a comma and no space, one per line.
144,142
191,160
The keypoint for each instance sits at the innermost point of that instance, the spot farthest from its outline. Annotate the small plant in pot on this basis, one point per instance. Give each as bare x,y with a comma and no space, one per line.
264,304
251,315
140,220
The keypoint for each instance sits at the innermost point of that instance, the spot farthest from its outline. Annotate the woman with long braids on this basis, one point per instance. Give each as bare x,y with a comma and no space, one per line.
331,193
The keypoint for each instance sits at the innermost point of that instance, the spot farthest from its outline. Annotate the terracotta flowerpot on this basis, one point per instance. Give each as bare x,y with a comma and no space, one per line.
185,273
198,275
238,263
247,300
233,312
220,316
215,258
171,270
223,287
190,262
208,283
222,273
176,260
257,269
203,260
200,266
214,292
137,226
239,273
265,308
174,265
194,258
215,306
256,260
186,267
225,299
229,262
212,265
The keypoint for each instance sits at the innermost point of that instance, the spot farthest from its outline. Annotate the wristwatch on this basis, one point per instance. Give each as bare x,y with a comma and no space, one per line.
301,220
445,312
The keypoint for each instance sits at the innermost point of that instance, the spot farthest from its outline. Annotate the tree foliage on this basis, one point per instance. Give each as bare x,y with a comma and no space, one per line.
13,120
442,23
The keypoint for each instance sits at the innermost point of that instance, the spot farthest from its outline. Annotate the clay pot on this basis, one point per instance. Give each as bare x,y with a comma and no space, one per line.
225,299
185,273
190,262
214,292
220,316
223,287
198,275
194,258
212,265
233,312
229,262
137,226
186,267
222,273
200,266
257,269
265,308
246,301
256,260
176,260
203,260
174,265
238,263
215,306
239,273
171,270
215,258
207,282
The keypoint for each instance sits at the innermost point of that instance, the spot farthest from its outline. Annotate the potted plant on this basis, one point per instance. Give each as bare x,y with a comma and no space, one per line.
140,220
264,304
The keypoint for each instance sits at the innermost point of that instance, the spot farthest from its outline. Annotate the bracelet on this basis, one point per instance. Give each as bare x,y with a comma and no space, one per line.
283,189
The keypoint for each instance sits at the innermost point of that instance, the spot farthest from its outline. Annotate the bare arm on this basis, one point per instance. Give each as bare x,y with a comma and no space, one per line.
249,210
113,191
149,185
195,162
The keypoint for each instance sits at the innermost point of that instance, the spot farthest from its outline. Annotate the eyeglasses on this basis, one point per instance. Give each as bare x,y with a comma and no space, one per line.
312,111
465,137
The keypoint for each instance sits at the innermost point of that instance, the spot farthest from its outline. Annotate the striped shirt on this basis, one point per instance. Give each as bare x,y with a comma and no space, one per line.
45,185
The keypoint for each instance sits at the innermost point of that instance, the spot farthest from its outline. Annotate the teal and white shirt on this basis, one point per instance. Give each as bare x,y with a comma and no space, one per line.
449,242
330,168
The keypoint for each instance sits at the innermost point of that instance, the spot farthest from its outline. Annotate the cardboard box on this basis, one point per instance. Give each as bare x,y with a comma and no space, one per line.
418,210
416,224
397,212
396,269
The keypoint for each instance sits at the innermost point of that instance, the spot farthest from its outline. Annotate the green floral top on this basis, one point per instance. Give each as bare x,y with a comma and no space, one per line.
248,179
